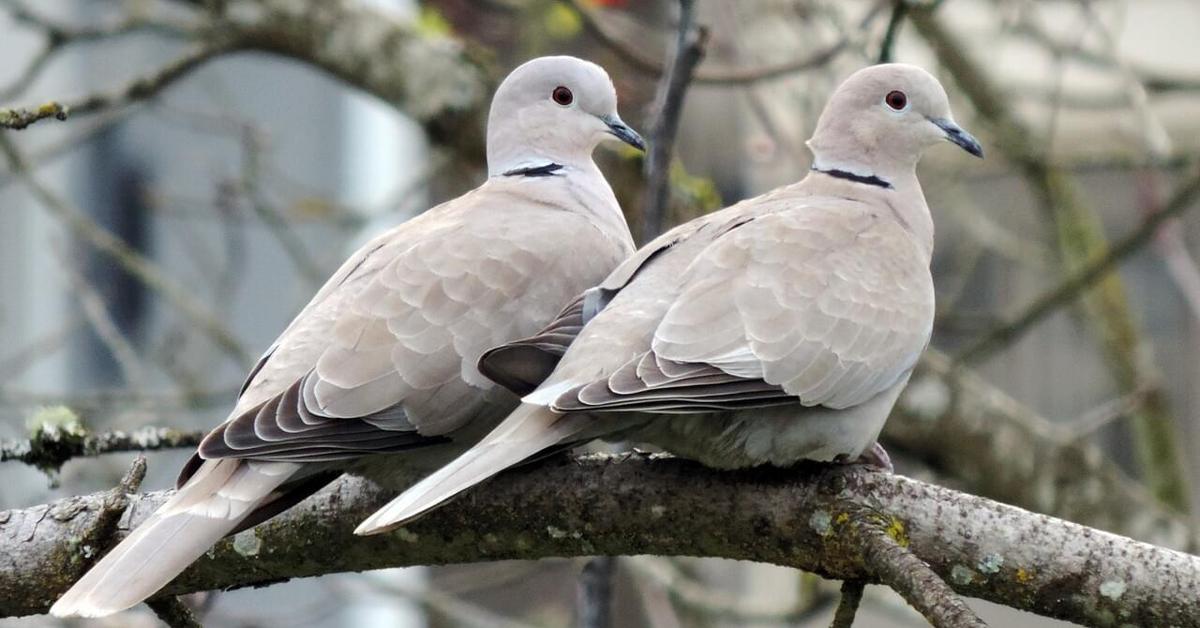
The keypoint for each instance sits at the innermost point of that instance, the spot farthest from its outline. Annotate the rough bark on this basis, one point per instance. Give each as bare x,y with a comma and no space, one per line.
803,518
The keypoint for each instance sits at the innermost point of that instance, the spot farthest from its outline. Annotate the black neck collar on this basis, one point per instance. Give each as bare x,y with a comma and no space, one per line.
535,171
857,178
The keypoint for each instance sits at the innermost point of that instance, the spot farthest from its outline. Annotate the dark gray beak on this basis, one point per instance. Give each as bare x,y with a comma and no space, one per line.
622,132
956,135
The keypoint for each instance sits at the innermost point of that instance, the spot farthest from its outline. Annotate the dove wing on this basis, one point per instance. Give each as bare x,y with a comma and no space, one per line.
384,358
828,303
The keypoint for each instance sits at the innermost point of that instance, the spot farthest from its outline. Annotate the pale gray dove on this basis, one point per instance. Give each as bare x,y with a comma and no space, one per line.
777,330
383,359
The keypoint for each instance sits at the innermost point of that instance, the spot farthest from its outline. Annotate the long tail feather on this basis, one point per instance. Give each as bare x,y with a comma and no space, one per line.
526,432
219,496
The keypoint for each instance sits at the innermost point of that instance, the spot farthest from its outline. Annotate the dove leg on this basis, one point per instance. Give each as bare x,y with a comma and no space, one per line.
875,456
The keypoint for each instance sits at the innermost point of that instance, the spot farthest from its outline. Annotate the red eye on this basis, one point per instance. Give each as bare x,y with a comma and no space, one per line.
896,100
562,96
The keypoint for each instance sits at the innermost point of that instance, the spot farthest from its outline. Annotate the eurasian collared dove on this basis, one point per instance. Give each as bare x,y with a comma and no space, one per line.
780,329
383,359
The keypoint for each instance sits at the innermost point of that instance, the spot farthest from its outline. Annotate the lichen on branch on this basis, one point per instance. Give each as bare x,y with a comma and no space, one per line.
636,504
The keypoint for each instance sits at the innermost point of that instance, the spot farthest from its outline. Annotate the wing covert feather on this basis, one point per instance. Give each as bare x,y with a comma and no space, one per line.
826,304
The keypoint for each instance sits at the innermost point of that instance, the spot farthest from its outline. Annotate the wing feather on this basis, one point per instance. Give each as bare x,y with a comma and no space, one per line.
821,305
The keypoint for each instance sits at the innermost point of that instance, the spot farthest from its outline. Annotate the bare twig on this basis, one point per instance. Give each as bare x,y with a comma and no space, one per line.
173,612
106,329
114,504
1097,418
1152,80
847,608
129,259
20,118
717,605
153,84
52,151
101,536
39,348
139,89
888,45
59,37
727,77
48,449
1074,285
689,50
435,601
251,186
593,597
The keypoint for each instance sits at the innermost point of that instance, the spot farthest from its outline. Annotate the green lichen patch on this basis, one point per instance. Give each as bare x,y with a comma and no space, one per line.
247,543
821,523
990,564
962,575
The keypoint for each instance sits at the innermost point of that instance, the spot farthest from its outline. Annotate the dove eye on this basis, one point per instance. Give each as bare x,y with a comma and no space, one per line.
896,100
562,96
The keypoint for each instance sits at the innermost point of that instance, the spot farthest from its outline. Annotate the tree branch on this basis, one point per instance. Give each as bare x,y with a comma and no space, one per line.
430,78
963,426
886,556
689,50
1085,277
714,604
20,118
651,505
1081,239
847,608
139,89
174,613
125,256
593,595
51,446
724,77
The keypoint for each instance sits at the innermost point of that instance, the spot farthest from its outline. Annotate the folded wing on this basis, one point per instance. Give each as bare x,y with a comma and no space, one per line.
825,306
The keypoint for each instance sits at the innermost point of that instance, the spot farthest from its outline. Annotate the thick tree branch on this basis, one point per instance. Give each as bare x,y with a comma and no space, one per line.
430,78
651,505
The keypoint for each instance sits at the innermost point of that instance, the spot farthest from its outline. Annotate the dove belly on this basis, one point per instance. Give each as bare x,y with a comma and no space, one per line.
779,435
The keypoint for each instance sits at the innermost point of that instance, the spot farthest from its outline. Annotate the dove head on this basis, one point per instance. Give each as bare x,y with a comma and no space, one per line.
553,110
880,121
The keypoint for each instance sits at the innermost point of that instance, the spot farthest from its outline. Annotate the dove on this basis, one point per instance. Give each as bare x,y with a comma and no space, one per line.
777,330
379,369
